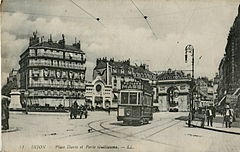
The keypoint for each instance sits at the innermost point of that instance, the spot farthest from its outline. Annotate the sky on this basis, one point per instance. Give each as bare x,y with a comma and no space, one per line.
122,32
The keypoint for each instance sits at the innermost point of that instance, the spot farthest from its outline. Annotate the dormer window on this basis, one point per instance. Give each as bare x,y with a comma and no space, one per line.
114,70
122,71
129,71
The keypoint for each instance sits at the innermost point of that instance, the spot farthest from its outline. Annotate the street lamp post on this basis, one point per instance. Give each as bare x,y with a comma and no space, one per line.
189,49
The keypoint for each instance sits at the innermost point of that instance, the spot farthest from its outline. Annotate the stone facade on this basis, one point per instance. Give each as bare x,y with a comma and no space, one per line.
52,73
173,90
229,68
110,74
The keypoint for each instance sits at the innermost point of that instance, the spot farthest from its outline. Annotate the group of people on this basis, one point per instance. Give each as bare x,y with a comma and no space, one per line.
78,110
228,115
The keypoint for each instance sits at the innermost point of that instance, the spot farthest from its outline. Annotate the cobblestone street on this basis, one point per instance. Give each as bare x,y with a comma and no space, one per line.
38,132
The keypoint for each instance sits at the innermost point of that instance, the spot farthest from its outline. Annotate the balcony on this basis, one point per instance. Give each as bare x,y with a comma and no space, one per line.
77,67
43,85
58,56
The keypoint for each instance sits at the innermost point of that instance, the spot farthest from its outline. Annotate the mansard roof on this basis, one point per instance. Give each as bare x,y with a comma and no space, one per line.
55,45
172,75
127,68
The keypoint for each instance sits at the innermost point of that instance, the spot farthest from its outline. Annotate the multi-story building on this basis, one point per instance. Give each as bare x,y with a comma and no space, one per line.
173,91
52,73
107,78
229,68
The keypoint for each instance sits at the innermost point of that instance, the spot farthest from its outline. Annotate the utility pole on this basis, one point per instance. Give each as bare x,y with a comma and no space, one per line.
189,49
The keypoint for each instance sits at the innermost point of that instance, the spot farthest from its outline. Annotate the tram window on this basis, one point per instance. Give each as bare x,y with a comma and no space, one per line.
124,98
133,98
147,100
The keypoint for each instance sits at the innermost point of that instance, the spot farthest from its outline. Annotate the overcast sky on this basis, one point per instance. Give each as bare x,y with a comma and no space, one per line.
123,33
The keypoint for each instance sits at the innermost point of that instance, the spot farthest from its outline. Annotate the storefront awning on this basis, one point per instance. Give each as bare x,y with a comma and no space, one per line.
222,100
237,92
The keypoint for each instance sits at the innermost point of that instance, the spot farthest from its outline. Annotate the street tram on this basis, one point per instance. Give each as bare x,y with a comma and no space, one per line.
136,103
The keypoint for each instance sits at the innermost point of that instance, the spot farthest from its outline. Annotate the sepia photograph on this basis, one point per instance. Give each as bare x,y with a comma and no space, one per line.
120,76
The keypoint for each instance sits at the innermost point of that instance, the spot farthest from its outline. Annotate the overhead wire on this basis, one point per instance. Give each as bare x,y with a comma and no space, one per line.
146,19
47,15
88,13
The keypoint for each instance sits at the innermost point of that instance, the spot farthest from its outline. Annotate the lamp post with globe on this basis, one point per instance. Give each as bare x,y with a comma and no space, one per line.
189,49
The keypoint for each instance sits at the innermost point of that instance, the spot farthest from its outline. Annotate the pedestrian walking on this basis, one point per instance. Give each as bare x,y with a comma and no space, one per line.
228,116
210,114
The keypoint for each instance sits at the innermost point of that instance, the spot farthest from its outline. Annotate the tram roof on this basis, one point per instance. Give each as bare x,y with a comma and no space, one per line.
137,85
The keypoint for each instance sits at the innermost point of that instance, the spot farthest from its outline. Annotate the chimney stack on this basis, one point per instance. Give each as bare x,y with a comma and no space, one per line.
62,42
239,10
34,39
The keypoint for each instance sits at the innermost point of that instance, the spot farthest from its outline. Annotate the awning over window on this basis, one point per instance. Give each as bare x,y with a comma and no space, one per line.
222,101
237,92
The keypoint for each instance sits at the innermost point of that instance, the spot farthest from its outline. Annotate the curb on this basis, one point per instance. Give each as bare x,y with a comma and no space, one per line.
218,130
10,130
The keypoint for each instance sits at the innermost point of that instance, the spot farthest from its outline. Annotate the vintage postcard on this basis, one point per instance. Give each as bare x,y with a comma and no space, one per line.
120,75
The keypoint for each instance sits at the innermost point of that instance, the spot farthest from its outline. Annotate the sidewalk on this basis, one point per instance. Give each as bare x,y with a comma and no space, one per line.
218,125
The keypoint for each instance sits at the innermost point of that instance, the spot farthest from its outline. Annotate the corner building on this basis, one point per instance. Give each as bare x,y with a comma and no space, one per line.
229,67
52,73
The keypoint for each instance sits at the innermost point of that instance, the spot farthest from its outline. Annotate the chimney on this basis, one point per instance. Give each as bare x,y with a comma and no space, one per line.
239,10
34,39
97,62
78,45
62,42
50,39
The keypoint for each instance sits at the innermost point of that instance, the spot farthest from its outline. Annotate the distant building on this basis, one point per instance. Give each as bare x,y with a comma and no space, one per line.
52,73
204,92
173,91
229,68
108,75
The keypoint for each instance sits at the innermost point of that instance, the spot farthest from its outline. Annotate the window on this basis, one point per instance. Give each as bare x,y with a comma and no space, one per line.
139,98
182,87
122,71
133,98
98,88
124,98
162,88
147,100
115,82
122,79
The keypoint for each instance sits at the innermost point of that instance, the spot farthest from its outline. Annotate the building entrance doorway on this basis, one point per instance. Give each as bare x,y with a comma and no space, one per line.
99,102
172,98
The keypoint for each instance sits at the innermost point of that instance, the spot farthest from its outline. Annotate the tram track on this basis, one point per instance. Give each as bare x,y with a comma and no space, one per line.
127,136
162,129
100,127
141,131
